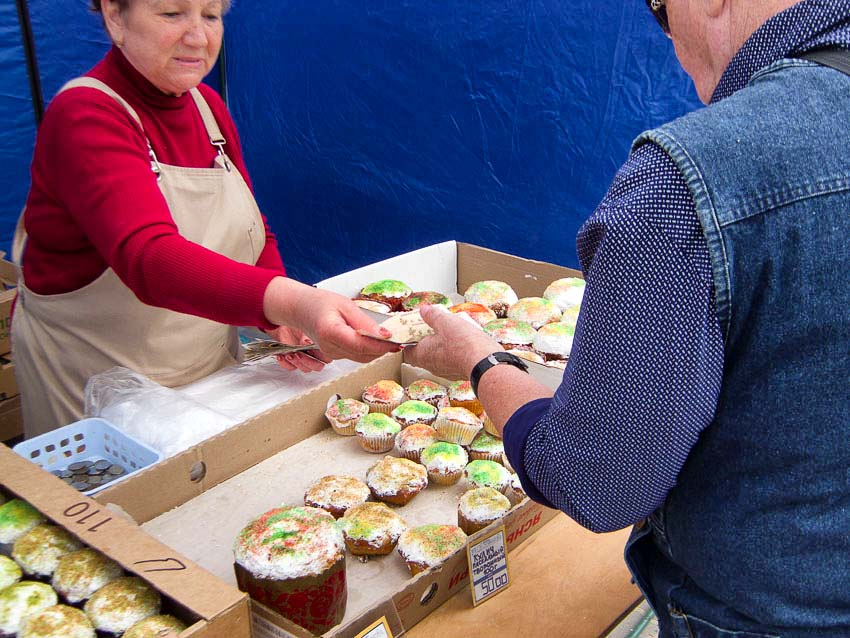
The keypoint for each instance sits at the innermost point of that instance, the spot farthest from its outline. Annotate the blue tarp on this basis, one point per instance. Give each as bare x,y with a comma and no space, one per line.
371,128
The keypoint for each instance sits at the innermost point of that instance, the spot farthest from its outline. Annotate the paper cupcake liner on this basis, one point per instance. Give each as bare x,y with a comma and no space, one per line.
383,408
485,456
504,489
515,496
453,432
473,405
413,455
470,527
360,547
443,478
316,603
490,427
345,429
376,443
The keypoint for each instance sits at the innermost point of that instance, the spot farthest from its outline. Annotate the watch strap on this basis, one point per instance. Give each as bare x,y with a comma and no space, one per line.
492,360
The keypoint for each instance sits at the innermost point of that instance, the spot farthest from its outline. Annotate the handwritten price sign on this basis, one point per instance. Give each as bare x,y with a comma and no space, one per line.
488,566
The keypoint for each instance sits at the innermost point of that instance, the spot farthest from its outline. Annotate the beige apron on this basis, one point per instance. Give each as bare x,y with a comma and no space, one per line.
59,341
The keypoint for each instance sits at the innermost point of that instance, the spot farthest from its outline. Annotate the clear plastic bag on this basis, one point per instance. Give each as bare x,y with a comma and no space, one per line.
166,419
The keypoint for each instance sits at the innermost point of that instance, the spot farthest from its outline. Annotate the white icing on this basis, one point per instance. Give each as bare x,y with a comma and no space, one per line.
553,341
309,557
483,505
567,292
458,415
337,491
80,574
391,474
415,550
410,439
23,599
72,622
39,550
10,573
387,530
121,604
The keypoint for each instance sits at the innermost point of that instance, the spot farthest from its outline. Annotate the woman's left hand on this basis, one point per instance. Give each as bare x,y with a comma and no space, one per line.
312,362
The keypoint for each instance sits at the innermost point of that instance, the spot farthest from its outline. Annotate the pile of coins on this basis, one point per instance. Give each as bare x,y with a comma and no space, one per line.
87,475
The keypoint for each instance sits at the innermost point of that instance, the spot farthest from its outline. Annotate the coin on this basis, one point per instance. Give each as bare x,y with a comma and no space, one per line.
80,486
102,464
93,471
79,466
95,480
116,470
66,474
69,479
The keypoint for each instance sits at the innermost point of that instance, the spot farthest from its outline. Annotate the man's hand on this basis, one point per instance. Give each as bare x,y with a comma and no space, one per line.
455,347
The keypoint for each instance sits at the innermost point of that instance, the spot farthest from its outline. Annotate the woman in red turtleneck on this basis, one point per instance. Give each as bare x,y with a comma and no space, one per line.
144,246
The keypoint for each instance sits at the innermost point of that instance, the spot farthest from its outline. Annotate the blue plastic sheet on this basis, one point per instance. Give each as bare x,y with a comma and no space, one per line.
371,128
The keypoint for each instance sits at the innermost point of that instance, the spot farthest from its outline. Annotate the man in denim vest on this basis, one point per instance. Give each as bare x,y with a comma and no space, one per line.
706,400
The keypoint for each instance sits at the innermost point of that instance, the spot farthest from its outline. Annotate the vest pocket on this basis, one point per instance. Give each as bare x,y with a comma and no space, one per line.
689,626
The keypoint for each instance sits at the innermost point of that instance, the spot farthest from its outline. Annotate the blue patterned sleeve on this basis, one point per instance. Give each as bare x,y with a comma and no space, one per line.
644,376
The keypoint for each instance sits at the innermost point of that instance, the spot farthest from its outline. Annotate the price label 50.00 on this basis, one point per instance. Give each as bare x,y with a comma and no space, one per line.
488,566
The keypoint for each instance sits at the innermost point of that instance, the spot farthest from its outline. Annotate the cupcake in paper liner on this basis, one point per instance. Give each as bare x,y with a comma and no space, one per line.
515,492
21,600
10,573
383,396
17,517
479,313
444,462
565,293
395,480
371,529
292,559
457,425
155,626
376,432
554,341
80,574
413,439
39,550
570,316
496,295
343,414
391,292
428,297
511,333
336,493
486,447
426,390
58,621
480,507
462,396
488,474
412,412
535,311
120,604
427,546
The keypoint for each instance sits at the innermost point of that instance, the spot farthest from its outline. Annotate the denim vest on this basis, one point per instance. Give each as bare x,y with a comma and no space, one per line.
754,540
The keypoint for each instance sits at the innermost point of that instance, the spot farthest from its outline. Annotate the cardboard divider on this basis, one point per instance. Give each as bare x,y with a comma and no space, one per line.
190,587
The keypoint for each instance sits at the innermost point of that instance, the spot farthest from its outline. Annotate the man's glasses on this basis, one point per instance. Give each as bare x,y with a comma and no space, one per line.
660,12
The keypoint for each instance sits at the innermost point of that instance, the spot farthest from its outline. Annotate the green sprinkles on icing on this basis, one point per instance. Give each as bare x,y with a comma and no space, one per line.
558,328
279,535
18,515
440,539
387,287
510,328
486,442
414,408
442,450
377,423
487,473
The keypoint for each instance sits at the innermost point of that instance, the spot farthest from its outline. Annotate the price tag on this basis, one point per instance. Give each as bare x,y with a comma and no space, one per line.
378,629
488,566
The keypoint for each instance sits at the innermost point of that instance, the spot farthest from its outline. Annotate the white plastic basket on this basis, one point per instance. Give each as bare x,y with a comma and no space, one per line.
88,440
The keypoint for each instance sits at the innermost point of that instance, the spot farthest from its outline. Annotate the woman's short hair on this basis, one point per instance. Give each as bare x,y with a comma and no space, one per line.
124,4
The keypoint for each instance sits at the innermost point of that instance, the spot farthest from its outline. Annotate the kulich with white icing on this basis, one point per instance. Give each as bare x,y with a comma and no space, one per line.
566,293
289,542
480,507
122,603
371,529
496,295
555,341
16,518
39,550
488,474
414,411
511,333
396,480
80,574
336,494
535,311
429,545
21,600
426,390
58,620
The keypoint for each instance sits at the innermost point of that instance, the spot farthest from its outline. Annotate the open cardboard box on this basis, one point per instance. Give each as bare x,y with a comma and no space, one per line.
450,268
270,460
8,281
210,607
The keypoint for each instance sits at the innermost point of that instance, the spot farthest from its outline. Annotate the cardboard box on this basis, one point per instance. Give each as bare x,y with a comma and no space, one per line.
8,383
8,281
191,524
11,419
450,268
212,608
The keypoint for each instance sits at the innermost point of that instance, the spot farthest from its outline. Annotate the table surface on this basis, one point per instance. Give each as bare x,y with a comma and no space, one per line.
565,581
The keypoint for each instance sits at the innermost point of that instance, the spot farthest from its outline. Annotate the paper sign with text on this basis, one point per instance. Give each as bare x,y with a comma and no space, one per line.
488,566
378,629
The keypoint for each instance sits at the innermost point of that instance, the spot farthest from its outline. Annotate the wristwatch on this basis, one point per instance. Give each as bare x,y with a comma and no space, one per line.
493,360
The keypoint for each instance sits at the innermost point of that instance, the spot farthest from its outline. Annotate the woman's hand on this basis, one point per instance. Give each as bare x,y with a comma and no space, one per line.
455,347
330,319
312,362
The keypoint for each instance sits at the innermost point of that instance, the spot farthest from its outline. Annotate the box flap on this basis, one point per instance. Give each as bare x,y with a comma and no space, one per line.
172,574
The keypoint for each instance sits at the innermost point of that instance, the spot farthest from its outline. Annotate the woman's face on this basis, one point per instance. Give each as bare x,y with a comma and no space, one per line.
173,43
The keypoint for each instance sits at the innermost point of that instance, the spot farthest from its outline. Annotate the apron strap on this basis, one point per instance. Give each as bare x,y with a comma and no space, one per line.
93,83
214,133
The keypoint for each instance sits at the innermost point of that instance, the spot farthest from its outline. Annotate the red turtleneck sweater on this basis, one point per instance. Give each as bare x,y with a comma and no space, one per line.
94,202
